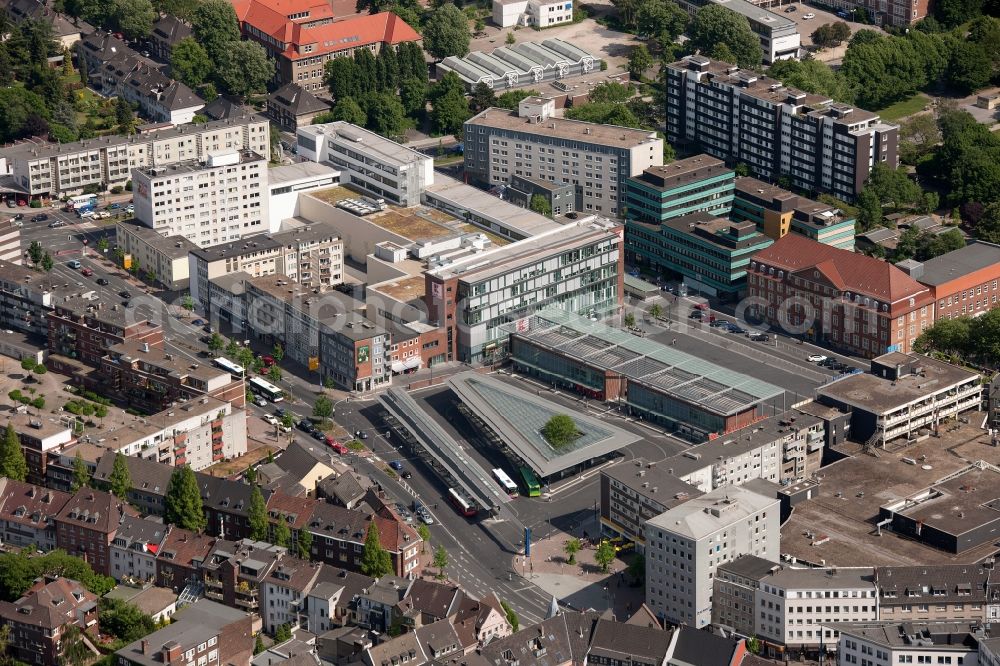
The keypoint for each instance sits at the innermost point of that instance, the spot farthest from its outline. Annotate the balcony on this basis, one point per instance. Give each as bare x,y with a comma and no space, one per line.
215,595
213,583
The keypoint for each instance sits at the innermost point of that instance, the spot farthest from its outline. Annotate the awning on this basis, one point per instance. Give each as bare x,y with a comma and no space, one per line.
398,366
413,362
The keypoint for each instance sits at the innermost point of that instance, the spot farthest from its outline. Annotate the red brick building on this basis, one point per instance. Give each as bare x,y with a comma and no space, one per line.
963,282
84,330
86,526
39,620
181,556
839,298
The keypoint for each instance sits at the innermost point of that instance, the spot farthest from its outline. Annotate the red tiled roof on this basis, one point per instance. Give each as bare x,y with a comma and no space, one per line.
344,32
848,271
300,508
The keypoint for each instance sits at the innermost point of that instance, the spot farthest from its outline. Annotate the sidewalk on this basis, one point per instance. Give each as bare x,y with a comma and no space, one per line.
581,585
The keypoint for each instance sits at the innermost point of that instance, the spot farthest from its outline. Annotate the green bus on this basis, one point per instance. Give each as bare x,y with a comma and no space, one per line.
531,486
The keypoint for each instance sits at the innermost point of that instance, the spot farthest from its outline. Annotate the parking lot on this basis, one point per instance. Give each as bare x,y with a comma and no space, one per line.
817,18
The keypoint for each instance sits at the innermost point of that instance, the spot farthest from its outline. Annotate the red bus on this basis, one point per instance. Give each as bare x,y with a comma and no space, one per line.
462,504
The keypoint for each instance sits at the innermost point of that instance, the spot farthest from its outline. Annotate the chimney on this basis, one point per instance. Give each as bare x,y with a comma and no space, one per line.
145,647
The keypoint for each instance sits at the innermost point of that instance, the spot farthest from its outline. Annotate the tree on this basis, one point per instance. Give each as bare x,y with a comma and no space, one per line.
303,544
183,501
540,204
245,68
715,24
510,40
120,481
215,342
375,560
512,618
637,567
386,115
951,13
282,634
35,252
215,27
605,555
918,136
609,92
258,645
441,560
123,620
450,112
274,373
425,536
189,62
257,515
81,474
969,67
948,336
17,105
124,115
811,76
628,320
662,20
282,535
571,548
348,111
483,96
753,645
47,262
12,462
447,33
639,61
133,18
75,651
604,114
560,431
323,407
655,311
250,475
840,31
512,98
413,94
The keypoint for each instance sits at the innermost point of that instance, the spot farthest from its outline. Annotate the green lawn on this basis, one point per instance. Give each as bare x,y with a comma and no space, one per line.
904,108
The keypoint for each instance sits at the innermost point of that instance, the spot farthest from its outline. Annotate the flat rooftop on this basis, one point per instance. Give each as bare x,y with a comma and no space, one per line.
404,290
683,172
311,232
179,366
173,247
462,196
852,490
757,14
712,511
654,483
300,171
958,263
382,149
611,136
518,416
498,261
871,393
820,579
194,166
962,503
739,442
903,634
646,362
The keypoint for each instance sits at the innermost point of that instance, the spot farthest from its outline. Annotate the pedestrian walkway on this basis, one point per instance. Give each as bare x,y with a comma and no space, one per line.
581,585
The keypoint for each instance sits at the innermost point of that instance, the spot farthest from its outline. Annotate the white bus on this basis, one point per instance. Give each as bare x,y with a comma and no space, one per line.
233,369
83,202
505,481
266,389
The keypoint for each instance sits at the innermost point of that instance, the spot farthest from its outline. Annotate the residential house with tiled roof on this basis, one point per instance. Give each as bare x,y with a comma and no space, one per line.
339,533
114,69
226,503
376,604
292,106
234,570
695,647
335,598
39,619
135,547
167,31
86,526
302,35
839,298
295,512
347,489
65,29
27,514
480,621
284,591
304,462
933,592
181,557
428,601
149,481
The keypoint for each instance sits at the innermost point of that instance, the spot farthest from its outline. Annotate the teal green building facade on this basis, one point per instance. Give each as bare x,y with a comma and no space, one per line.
697,184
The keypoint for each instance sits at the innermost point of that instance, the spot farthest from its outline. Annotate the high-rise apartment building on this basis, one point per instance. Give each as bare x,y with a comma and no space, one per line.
596,159
744,117
686,544
67,168
218,200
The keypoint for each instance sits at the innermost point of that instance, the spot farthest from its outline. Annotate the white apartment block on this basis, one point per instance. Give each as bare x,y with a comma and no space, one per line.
686,544
134,548
906,643
596,159
540,13
64,169
218,200
198,433
165,256
284,592
369,162
287,182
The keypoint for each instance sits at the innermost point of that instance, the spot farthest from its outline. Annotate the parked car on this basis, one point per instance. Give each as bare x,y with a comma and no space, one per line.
305,425
19,216
719,323
396,465
260,402
115,206
360,434
317,435
738,330
86,272
808,16
339,448
125,293
56,224
198,322
425,516
816,358
74,264
270,418
268,360
695,314
41,217
102,281
790,9
760,337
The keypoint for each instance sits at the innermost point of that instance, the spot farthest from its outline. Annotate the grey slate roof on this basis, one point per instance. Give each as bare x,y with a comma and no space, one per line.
961,262
701,648
629,643
944,583
298,101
